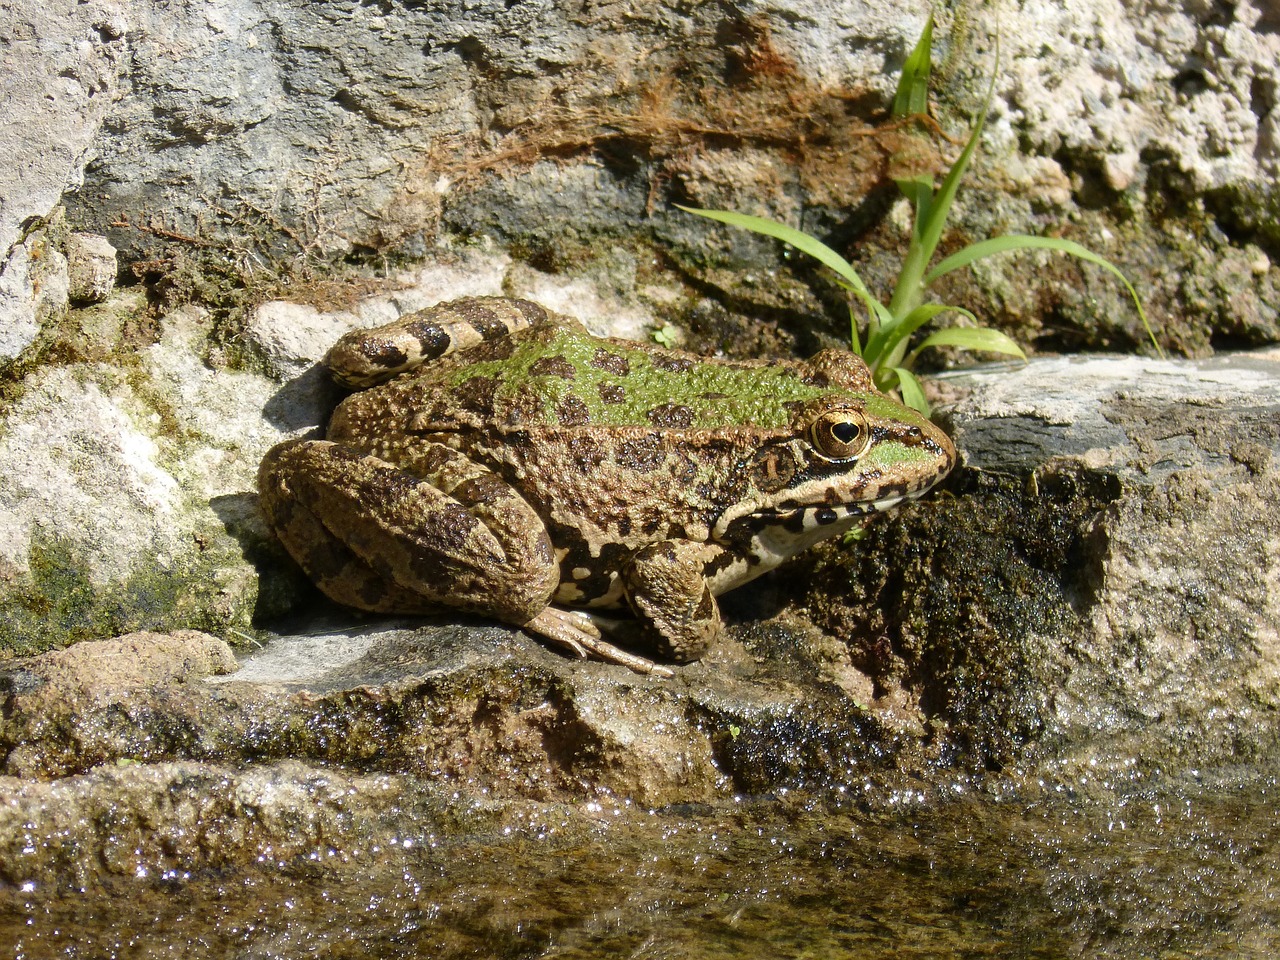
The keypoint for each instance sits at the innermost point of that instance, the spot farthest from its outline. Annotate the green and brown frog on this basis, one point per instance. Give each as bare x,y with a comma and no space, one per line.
499,459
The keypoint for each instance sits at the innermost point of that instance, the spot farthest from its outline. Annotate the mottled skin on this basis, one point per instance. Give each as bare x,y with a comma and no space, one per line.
512,464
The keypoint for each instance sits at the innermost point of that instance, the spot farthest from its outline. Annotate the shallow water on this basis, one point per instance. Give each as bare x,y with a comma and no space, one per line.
1190,870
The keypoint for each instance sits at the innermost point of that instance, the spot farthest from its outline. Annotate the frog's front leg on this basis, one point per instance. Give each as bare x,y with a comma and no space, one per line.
666,585
376,537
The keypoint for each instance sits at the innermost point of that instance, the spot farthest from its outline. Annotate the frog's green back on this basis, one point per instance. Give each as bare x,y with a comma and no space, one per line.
620,383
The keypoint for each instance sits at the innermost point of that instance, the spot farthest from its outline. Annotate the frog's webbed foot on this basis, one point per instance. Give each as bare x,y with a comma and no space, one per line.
576,632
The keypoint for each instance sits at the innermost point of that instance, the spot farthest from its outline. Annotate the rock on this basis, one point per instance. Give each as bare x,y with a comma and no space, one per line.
62,62
312,104
1100,585
33,289
372,133
484,708
170,821
91,265
122,503
1180,604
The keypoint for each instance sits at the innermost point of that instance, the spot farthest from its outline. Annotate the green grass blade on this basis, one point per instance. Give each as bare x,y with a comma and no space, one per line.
912,99
1016,241
912,392
878,314
919,191
912,96
970,338
797,238
941,205
888,348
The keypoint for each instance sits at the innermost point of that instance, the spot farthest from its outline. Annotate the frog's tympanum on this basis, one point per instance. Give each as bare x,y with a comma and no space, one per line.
499,459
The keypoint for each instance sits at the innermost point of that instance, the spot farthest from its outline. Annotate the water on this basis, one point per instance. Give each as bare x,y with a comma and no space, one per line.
1190,870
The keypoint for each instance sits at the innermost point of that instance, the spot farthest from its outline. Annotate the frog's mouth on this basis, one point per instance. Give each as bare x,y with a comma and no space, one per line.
810,522
769,535
824,515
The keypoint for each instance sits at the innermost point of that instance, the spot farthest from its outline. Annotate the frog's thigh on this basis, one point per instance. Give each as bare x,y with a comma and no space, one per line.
667,590
340,574
480,548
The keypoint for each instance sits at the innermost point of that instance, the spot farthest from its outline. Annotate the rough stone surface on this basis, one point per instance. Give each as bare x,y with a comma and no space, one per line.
1109,551
255,135
123,490
62,64
170,821
1178,597
91,265
345,100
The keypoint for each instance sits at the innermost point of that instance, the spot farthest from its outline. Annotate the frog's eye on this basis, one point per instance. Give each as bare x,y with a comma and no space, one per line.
840,434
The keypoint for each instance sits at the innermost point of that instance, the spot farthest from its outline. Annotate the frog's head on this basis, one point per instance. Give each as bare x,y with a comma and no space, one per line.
846,454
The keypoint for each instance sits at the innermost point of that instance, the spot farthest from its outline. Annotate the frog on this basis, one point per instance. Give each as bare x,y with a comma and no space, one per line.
496,458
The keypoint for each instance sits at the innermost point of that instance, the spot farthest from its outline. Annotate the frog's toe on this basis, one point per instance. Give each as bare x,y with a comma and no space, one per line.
576,632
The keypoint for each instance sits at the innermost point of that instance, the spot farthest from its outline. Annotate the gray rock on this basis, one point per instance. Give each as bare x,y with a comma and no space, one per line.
1180,657
62,63
33,288
91,268
261,135
1100,583
122,494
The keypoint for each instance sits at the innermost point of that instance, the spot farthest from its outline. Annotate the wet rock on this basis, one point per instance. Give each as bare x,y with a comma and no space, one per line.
1096,587
169,821
484,708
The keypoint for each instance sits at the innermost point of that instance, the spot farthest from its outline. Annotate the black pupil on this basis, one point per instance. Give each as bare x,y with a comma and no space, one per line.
845,432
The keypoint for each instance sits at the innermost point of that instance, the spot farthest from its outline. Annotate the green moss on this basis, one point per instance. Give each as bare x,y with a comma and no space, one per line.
966,601
57,603
1250,211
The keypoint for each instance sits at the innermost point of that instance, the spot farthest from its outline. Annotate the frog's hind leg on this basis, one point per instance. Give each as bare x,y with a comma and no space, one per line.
364,358
338,571
378,538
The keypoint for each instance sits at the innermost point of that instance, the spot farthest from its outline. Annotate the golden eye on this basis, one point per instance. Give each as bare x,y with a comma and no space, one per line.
840,434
